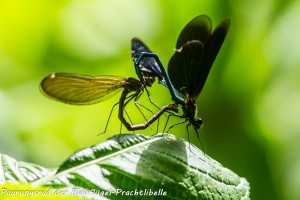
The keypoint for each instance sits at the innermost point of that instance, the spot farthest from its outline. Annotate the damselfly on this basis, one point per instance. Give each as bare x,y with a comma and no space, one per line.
196,49
79,89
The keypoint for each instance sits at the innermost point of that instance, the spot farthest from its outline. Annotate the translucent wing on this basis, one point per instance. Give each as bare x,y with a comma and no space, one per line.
148,66
80,89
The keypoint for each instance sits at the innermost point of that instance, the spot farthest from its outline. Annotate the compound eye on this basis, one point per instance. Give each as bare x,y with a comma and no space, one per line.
199,123
200,120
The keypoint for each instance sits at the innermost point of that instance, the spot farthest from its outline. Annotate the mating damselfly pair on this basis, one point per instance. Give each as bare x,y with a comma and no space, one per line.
196,49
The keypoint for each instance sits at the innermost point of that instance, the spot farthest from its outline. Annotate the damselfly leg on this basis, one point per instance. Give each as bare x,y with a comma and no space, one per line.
131,127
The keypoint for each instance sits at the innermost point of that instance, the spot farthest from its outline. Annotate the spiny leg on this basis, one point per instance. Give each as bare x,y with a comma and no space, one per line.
199,139
135,96
169,116
174,125
188,133
111,111
124,100
109,118
157,126
128,117
130,127
127,100
150,100
137,104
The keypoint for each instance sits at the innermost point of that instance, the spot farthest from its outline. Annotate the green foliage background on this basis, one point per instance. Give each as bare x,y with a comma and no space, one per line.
250,104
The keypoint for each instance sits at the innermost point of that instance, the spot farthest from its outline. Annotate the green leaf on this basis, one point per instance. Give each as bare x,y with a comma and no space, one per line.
15,177
13,171
169,166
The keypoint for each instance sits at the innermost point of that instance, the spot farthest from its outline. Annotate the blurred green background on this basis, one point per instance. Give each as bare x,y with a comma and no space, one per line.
250,104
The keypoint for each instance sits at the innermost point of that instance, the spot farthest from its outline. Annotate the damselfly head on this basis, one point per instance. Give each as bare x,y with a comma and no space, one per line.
197,123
